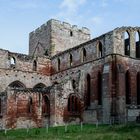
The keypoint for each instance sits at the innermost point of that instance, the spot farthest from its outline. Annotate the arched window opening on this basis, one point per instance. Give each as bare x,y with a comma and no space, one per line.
30,105
137,44
69,104
39,99
127,88
88,92
73,104
58,64
99,89
84,54
74,84
39,86
0,106
12,62
76,104
127,43
100,49
17,84
138,88
45,106
70,59
71,33
34,65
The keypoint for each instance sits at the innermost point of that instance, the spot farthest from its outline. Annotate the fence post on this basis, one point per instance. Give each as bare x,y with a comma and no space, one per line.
97,123
47,128
81,126
66,128
27,128
5,131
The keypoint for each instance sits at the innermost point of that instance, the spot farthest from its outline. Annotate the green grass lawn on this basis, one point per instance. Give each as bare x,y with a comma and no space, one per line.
89,132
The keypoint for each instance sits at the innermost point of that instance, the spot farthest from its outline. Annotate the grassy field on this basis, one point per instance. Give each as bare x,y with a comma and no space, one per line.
89,132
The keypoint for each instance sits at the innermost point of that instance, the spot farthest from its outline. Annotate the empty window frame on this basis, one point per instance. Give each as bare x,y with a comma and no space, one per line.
138,88
71,33
99,88
12,62
127,88
88,90
100,49
74,84
30,105
70,59
46,106
73,104
127,43
84,54
58,63
137,43
35,65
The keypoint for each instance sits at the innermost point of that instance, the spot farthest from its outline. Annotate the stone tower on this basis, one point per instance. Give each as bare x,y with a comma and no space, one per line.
54,37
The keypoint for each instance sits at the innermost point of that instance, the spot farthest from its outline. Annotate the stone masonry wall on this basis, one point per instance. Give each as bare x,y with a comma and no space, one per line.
61,57
65,36
119,36
132,65
24,62
40,40
54,37
92,53
79,74
27,78
17,109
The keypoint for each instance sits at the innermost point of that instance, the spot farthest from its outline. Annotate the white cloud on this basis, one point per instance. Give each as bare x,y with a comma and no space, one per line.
69,10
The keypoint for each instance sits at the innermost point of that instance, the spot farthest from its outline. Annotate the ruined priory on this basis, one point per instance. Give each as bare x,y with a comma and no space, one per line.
70,78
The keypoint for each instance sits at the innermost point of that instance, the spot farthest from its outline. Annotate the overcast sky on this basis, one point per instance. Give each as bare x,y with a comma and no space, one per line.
19,17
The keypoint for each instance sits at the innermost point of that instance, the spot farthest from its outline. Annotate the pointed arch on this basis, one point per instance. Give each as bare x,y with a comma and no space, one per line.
88,91
73,104
137,43
46,106
99,88
99,49
12,62
39,86
74,84
71,33
127,43
138,88
70,59
17,84
30,105
84,55
35,65
69,104
127,88
58,64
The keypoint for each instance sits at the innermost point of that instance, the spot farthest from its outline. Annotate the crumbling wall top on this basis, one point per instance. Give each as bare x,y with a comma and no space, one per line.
126,28
65,25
